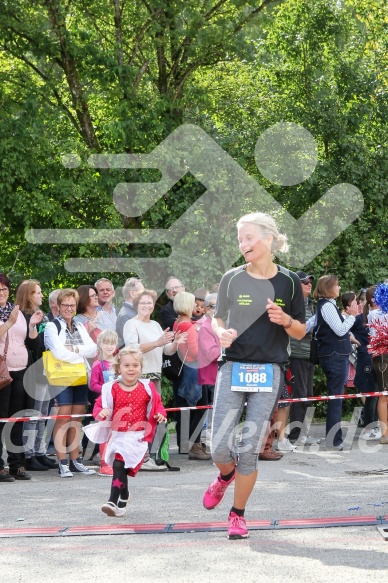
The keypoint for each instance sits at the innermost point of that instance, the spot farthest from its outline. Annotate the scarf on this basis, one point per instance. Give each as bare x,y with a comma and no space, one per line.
5,311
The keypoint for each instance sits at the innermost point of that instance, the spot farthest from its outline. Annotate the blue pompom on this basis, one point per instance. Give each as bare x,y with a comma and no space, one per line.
381,297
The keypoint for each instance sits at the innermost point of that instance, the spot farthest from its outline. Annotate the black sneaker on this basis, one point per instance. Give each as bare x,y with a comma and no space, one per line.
5,477
78,467
33,465
20,474
45,461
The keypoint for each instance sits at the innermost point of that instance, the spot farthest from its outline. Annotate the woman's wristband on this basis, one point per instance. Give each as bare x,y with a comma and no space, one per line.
289,324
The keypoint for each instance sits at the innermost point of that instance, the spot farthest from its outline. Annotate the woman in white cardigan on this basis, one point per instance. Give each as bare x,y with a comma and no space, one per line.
147,335
71,343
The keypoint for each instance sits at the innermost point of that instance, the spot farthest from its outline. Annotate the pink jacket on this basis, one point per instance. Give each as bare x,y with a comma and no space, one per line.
17,356
97,376
208,353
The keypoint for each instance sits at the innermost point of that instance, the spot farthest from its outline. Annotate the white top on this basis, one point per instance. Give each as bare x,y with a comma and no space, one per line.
136,332
56,343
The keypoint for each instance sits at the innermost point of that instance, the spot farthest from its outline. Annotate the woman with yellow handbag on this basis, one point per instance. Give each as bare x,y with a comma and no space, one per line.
69,343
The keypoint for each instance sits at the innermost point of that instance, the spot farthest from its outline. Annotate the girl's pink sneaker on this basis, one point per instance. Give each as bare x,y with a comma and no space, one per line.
105,471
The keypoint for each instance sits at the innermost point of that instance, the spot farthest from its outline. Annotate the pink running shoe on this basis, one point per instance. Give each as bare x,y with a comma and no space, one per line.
215,492
237,527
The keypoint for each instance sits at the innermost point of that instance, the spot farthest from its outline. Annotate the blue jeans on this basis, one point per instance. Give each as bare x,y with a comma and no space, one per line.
335,368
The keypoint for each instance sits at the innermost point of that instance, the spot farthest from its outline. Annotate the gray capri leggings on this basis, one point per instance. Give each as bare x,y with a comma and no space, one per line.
228,408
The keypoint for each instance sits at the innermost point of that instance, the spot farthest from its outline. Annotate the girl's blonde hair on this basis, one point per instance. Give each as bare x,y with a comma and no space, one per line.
106,337
267,226
125,352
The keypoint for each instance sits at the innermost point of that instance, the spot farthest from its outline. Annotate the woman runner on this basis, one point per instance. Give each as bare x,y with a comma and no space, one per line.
262,302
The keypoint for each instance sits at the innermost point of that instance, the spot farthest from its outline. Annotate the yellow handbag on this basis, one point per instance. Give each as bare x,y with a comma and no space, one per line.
63,374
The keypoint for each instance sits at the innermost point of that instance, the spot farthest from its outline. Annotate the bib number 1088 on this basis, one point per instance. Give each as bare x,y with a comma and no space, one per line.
253,377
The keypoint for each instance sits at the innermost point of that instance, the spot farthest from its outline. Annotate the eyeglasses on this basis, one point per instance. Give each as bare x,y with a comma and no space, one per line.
4,290
175,288
93,296
212,306
145,304
68,306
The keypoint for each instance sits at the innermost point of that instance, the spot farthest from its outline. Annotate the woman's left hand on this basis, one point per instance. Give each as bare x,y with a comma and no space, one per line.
160,418
276,314
180,337
36,318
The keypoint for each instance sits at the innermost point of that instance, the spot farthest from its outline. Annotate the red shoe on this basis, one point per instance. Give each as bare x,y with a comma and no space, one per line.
215,492
105,471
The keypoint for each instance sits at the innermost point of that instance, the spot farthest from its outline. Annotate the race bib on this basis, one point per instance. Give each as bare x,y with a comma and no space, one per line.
252,378
108,375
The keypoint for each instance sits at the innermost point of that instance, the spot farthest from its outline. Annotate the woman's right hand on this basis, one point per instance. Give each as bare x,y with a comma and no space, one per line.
352,310
92,324
13,316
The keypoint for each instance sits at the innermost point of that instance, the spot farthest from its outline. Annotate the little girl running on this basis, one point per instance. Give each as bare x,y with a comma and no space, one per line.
103,372
131,409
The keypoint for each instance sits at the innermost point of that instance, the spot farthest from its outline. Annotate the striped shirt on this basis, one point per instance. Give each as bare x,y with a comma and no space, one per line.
330,315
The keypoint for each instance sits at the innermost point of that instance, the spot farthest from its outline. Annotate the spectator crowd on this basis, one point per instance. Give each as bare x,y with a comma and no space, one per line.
83,329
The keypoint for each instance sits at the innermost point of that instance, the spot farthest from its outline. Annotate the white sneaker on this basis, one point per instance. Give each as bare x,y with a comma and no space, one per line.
110,509
375,433
151,466
64,470
307,440
78,467
285,445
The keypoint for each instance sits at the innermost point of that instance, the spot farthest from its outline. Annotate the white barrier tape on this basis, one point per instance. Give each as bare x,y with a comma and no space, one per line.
173,409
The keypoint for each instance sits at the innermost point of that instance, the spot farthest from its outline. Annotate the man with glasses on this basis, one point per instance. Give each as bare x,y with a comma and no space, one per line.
167,313
107,312
131,288
302,370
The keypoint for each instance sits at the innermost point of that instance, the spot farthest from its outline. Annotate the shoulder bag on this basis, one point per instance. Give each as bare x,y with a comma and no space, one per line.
5,378
60,373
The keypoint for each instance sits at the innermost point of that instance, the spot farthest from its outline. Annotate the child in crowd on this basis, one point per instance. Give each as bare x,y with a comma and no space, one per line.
199,307
103,372
131,409
377,321
365,378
